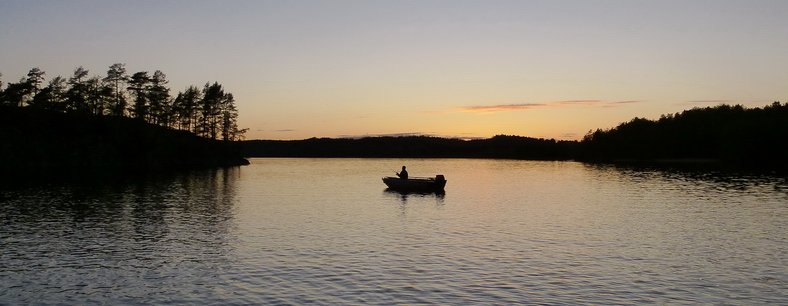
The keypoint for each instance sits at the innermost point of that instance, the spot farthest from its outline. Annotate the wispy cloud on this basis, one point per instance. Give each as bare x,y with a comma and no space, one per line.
284,130
708,102
625,102
553,104
578,102
618,103
387,135
502,107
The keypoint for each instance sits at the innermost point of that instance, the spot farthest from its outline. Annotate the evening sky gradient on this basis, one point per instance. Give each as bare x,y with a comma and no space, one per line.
298,69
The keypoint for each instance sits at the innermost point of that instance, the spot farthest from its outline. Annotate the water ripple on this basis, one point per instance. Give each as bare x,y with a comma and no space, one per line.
506,232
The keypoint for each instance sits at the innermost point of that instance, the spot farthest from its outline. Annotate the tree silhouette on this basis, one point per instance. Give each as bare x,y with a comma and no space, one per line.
21,93
15,93
116,76
100,98
35,77
185,106
159,99
229,114
210,107
725,133
139,85
76,95
51,97
209,112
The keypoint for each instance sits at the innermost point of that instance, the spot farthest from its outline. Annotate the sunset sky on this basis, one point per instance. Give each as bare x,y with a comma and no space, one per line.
300,69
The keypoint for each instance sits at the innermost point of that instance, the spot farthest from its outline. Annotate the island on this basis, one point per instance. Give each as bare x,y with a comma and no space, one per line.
118,122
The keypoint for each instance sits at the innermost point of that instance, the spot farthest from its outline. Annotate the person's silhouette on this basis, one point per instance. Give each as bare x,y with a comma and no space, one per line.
403,174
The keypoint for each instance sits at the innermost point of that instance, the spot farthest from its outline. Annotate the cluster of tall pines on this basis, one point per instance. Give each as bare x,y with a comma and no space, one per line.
209,111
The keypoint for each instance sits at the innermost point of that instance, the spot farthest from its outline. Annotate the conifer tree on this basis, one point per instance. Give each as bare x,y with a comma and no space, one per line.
15,93
139,84
52,96
35,78
210,109
159,99
117,77
186,107
76,95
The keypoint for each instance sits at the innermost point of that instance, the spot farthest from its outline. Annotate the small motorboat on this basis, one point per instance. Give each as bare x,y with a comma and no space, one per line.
436,183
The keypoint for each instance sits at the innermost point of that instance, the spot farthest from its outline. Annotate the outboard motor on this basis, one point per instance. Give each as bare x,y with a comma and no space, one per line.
440,178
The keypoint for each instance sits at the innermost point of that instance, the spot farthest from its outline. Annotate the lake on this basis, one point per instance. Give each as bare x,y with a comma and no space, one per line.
325,231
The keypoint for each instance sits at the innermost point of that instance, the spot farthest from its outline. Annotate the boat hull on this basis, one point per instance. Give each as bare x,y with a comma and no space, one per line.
437,183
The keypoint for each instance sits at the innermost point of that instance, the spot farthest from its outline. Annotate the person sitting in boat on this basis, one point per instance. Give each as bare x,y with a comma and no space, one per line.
403,174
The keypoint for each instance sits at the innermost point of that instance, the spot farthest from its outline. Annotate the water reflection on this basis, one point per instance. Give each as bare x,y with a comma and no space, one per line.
404,195
704,175
280,232
63,240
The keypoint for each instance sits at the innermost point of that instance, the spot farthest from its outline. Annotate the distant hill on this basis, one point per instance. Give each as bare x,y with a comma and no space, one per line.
723,135
35,140
732,135
501,146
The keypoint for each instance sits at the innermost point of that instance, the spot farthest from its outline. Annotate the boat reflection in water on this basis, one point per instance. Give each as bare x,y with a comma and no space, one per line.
418,196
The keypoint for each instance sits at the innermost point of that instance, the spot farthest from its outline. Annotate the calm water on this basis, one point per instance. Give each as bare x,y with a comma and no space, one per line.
324,231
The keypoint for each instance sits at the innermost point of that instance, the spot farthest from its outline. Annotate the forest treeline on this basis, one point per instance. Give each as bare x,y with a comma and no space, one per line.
122,119
116,122
501,146
724,134
209,111
733,135
45,143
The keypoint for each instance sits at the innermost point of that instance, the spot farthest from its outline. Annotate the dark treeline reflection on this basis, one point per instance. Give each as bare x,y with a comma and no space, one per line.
102,195
702,174
152,207
136,235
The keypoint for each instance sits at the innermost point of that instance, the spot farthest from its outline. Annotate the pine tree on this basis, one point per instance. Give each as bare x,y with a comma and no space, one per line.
35,78
52,96
15,93
76,95
117,77
99,96
186,108
139,85
210,109
159,98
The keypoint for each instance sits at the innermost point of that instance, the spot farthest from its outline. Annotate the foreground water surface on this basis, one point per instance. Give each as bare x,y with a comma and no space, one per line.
325,231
